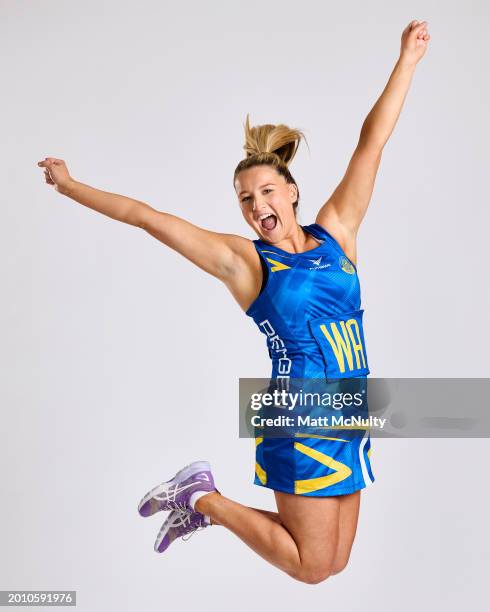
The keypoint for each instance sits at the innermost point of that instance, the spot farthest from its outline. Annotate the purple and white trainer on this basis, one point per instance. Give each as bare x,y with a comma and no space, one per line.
181,491
178,524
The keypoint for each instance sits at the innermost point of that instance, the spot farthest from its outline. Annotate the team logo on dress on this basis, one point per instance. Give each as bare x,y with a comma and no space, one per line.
317,262
346,265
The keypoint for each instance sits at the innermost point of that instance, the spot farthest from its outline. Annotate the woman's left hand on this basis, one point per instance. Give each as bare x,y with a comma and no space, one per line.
415,39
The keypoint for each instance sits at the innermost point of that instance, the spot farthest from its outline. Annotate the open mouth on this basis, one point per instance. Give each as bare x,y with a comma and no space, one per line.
268,222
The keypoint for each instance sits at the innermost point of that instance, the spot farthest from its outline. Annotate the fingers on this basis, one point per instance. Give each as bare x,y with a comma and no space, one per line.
48,178
415,26
418,28
411,25
422,34
48,161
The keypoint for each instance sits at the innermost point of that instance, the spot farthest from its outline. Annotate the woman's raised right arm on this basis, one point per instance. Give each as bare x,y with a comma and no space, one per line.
228,257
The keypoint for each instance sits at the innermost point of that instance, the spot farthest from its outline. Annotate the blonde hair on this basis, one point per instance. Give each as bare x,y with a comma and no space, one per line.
271,145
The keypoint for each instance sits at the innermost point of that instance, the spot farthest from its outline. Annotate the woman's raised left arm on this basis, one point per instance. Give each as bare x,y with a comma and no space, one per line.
347,205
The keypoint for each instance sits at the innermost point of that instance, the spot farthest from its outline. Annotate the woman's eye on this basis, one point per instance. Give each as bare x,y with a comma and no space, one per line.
248,197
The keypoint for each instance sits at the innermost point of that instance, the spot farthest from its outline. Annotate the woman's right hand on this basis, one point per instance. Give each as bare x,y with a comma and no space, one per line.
56,173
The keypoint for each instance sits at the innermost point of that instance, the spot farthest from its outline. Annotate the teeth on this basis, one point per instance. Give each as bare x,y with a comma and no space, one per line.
264,216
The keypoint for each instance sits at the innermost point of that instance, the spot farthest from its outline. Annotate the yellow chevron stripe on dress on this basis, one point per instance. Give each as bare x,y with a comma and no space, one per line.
307,435
259,470
315,484
261,473
277,265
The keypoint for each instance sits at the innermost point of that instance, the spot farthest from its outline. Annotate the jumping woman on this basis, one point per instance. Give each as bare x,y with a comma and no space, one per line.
296,282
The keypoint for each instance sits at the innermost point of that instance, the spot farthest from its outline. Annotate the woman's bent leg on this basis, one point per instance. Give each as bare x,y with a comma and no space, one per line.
304,544
348,518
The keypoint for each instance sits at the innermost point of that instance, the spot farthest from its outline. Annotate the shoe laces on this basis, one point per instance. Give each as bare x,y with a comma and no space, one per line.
185,517
180,506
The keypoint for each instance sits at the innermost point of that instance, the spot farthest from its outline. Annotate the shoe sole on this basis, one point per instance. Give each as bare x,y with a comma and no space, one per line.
183,474
165,528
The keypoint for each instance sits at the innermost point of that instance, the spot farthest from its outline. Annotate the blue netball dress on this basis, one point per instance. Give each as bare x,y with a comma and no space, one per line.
310,312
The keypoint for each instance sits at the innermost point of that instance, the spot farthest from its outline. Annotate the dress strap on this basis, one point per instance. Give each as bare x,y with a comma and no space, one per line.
318,231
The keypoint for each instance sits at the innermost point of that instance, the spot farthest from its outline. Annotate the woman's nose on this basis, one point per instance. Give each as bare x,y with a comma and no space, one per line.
258,206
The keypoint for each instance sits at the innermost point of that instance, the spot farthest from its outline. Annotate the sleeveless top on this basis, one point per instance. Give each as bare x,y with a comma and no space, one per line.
310,311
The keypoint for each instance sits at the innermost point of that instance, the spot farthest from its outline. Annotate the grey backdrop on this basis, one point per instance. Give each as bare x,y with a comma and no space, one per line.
105,329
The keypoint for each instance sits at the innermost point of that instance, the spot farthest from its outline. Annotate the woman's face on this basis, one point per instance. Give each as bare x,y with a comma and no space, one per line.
266,201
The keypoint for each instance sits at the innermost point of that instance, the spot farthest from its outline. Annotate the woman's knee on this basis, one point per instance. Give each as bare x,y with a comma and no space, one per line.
313,575
319,572
339,565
